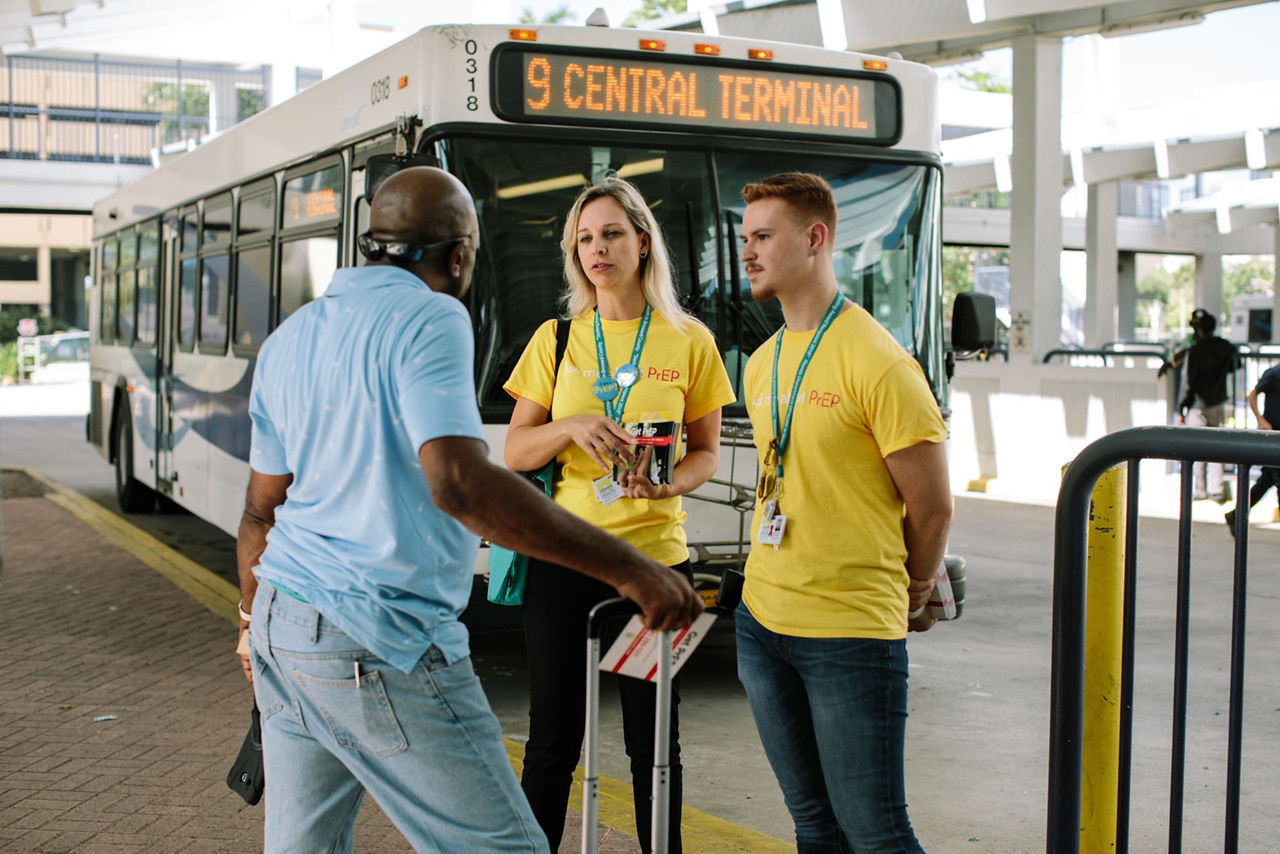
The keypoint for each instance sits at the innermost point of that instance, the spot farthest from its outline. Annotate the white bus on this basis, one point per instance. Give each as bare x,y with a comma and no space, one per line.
196,263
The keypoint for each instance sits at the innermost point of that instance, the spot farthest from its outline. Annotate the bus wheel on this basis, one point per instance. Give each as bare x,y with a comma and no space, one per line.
133,496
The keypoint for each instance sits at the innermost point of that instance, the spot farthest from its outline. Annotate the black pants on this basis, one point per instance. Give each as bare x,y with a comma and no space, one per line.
556,603
1267,478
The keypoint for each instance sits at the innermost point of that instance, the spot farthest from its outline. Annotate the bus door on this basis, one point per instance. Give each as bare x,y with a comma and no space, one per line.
164,357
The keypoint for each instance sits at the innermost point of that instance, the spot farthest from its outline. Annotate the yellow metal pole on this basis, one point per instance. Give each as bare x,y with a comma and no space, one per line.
1104,626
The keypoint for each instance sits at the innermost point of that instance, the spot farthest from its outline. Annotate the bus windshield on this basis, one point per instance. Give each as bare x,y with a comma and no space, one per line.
883,248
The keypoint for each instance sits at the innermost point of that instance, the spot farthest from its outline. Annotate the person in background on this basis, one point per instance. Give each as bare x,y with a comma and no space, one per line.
633,356
368,485
1268,419
851,520
1209,361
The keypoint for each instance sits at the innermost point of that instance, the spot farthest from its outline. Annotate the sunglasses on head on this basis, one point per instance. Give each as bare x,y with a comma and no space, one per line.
399,251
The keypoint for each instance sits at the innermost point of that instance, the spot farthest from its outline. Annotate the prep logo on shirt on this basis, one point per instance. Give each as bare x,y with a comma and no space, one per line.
663,375
813,397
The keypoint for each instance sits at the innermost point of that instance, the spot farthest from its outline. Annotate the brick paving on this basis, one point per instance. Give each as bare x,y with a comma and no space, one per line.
89,631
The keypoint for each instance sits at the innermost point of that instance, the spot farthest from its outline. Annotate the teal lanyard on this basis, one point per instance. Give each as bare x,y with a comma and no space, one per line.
613,408
779,443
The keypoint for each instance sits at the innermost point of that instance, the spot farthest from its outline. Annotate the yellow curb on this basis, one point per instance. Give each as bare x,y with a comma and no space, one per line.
979,484
701,832
217,594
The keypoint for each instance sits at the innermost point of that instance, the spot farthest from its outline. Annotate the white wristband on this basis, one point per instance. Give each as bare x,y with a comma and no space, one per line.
911,615
244,615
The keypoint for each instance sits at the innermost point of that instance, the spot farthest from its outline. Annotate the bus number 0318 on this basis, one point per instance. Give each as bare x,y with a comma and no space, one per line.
473,103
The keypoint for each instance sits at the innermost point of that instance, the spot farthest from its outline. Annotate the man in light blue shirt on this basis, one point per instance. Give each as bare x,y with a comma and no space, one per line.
368,485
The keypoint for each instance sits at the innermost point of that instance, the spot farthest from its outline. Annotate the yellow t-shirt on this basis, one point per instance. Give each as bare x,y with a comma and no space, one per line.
841,568
681,379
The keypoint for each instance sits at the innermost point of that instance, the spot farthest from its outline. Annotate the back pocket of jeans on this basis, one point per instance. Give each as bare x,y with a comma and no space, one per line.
360,718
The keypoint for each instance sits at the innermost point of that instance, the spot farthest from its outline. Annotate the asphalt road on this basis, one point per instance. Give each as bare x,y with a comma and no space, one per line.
977,754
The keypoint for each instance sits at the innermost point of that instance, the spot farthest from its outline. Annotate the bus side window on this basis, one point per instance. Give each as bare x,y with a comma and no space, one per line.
188,280
311,214
126,289
306,266
107,299
215,274
253,292
254,231
148,301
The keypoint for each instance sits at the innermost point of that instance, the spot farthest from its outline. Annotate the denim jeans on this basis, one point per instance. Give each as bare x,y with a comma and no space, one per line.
832,714
424,744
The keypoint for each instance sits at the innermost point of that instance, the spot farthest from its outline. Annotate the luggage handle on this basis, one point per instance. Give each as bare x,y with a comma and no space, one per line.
660,809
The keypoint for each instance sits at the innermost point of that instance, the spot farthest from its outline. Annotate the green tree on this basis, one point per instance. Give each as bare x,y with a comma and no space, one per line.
1172,290
959,271
9,318
249,102
651,9
162,98
560,15
1254,276
957,275
981,81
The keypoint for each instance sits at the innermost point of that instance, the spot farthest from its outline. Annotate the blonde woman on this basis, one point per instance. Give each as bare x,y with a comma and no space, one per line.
634,357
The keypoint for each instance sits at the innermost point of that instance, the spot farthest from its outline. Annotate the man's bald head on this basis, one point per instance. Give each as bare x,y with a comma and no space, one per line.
422,204
429,207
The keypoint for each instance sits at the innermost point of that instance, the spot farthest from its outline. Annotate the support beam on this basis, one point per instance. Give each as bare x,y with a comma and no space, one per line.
1275,291
1127,295
1037,164
1101,293
1208,284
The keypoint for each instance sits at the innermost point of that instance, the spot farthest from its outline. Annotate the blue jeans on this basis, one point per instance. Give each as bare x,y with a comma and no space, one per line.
832,715
424,744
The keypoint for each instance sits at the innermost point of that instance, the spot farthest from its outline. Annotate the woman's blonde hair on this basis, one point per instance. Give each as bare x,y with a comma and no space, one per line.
655,269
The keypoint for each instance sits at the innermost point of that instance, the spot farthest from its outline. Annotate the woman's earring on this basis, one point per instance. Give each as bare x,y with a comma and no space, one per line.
644,255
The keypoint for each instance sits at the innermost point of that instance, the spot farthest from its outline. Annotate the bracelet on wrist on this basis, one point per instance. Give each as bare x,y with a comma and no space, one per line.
245,616
911,615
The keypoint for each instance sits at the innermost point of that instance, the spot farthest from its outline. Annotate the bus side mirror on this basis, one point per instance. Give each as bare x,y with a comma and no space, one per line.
380,167
973,322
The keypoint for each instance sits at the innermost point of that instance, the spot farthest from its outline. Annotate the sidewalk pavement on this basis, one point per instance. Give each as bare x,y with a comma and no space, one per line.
121,703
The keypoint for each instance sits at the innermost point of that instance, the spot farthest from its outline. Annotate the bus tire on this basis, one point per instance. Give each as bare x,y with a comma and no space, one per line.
132,495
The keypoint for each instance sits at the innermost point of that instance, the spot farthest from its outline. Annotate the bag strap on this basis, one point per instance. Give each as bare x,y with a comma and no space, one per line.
562,344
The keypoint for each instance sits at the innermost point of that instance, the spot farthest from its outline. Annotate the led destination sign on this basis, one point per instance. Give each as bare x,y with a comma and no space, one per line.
552,86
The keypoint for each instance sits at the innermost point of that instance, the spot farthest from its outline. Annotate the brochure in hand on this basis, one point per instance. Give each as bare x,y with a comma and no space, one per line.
656,441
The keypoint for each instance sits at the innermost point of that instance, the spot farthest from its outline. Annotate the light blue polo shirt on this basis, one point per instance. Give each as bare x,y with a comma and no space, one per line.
344,394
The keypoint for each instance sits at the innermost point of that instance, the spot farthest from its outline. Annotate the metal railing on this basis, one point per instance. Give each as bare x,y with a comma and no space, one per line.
1106,357
97,110
1066,722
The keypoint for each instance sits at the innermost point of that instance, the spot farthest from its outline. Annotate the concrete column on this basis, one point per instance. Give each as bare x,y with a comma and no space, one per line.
44,275
1208,285
1126,295
1035,293
284,82
222,103
1275,291
1101,280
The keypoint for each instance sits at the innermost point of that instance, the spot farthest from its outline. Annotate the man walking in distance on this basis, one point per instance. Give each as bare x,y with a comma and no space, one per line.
1210,360
1268,419
851,520
368,485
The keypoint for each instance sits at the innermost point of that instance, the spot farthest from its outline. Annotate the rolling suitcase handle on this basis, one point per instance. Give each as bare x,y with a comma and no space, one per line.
661,738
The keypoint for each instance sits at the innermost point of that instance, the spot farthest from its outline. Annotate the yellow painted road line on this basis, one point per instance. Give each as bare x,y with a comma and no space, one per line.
699,831
703,833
